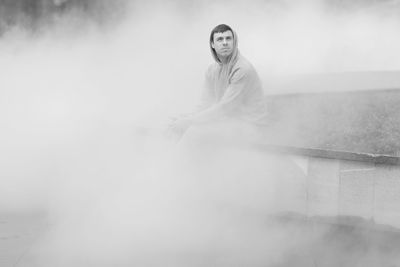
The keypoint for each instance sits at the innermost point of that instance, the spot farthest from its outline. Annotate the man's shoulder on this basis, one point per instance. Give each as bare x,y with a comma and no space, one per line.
212,68
244,65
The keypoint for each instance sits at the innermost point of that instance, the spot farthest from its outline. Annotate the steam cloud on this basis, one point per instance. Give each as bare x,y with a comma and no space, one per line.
82,118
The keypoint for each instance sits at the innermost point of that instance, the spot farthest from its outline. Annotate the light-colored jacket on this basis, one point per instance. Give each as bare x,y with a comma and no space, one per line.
235,87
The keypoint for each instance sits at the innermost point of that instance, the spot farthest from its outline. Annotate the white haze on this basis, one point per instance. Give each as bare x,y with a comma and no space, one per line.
82,119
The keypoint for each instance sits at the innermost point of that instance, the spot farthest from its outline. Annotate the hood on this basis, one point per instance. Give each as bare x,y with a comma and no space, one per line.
233,56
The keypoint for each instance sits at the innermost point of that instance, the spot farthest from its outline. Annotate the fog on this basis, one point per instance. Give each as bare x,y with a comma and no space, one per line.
83,111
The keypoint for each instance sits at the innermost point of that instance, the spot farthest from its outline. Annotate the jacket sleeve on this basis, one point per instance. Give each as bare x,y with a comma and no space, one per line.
240,83
207,97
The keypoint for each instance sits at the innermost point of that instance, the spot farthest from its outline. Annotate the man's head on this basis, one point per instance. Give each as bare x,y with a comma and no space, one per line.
222,41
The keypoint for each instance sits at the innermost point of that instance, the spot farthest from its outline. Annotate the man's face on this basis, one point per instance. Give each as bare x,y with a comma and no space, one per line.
223,44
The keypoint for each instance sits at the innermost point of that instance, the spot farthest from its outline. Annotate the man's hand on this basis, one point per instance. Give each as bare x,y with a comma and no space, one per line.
178,126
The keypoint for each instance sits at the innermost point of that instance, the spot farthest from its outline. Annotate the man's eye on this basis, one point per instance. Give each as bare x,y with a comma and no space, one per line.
229,38
219,39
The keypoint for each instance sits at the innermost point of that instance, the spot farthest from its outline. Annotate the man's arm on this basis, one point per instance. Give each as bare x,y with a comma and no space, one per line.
240,83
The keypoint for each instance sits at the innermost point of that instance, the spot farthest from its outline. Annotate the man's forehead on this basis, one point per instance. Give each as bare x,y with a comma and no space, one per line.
223,34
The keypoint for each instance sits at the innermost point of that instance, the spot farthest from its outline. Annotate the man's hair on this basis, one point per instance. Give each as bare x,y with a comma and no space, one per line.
219,28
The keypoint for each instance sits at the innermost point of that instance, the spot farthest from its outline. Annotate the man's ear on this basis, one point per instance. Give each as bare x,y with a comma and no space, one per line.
212,45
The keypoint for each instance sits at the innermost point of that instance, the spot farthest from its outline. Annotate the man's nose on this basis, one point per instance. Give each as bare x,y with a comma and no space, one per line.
224,42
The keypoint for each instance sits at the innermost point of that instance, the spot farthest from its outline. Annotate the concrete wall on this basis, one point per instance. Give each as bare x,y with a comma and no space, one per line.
334,187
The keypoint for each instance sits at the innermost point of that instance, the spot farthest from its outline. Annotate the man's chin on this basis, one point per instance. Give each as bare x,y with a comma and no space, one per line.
226,54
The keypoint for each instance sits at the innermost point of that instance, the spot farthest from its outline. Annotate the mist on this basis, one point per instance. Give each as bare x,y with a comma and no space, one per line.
84,104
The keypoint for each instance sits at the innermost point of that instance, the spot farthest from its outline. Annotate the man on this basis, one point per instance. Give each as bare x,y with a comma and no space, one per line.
233,89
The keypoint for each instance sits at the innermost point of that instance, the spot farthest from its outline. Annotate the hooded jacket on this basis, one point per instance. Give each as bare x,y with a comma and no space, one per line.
234,87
